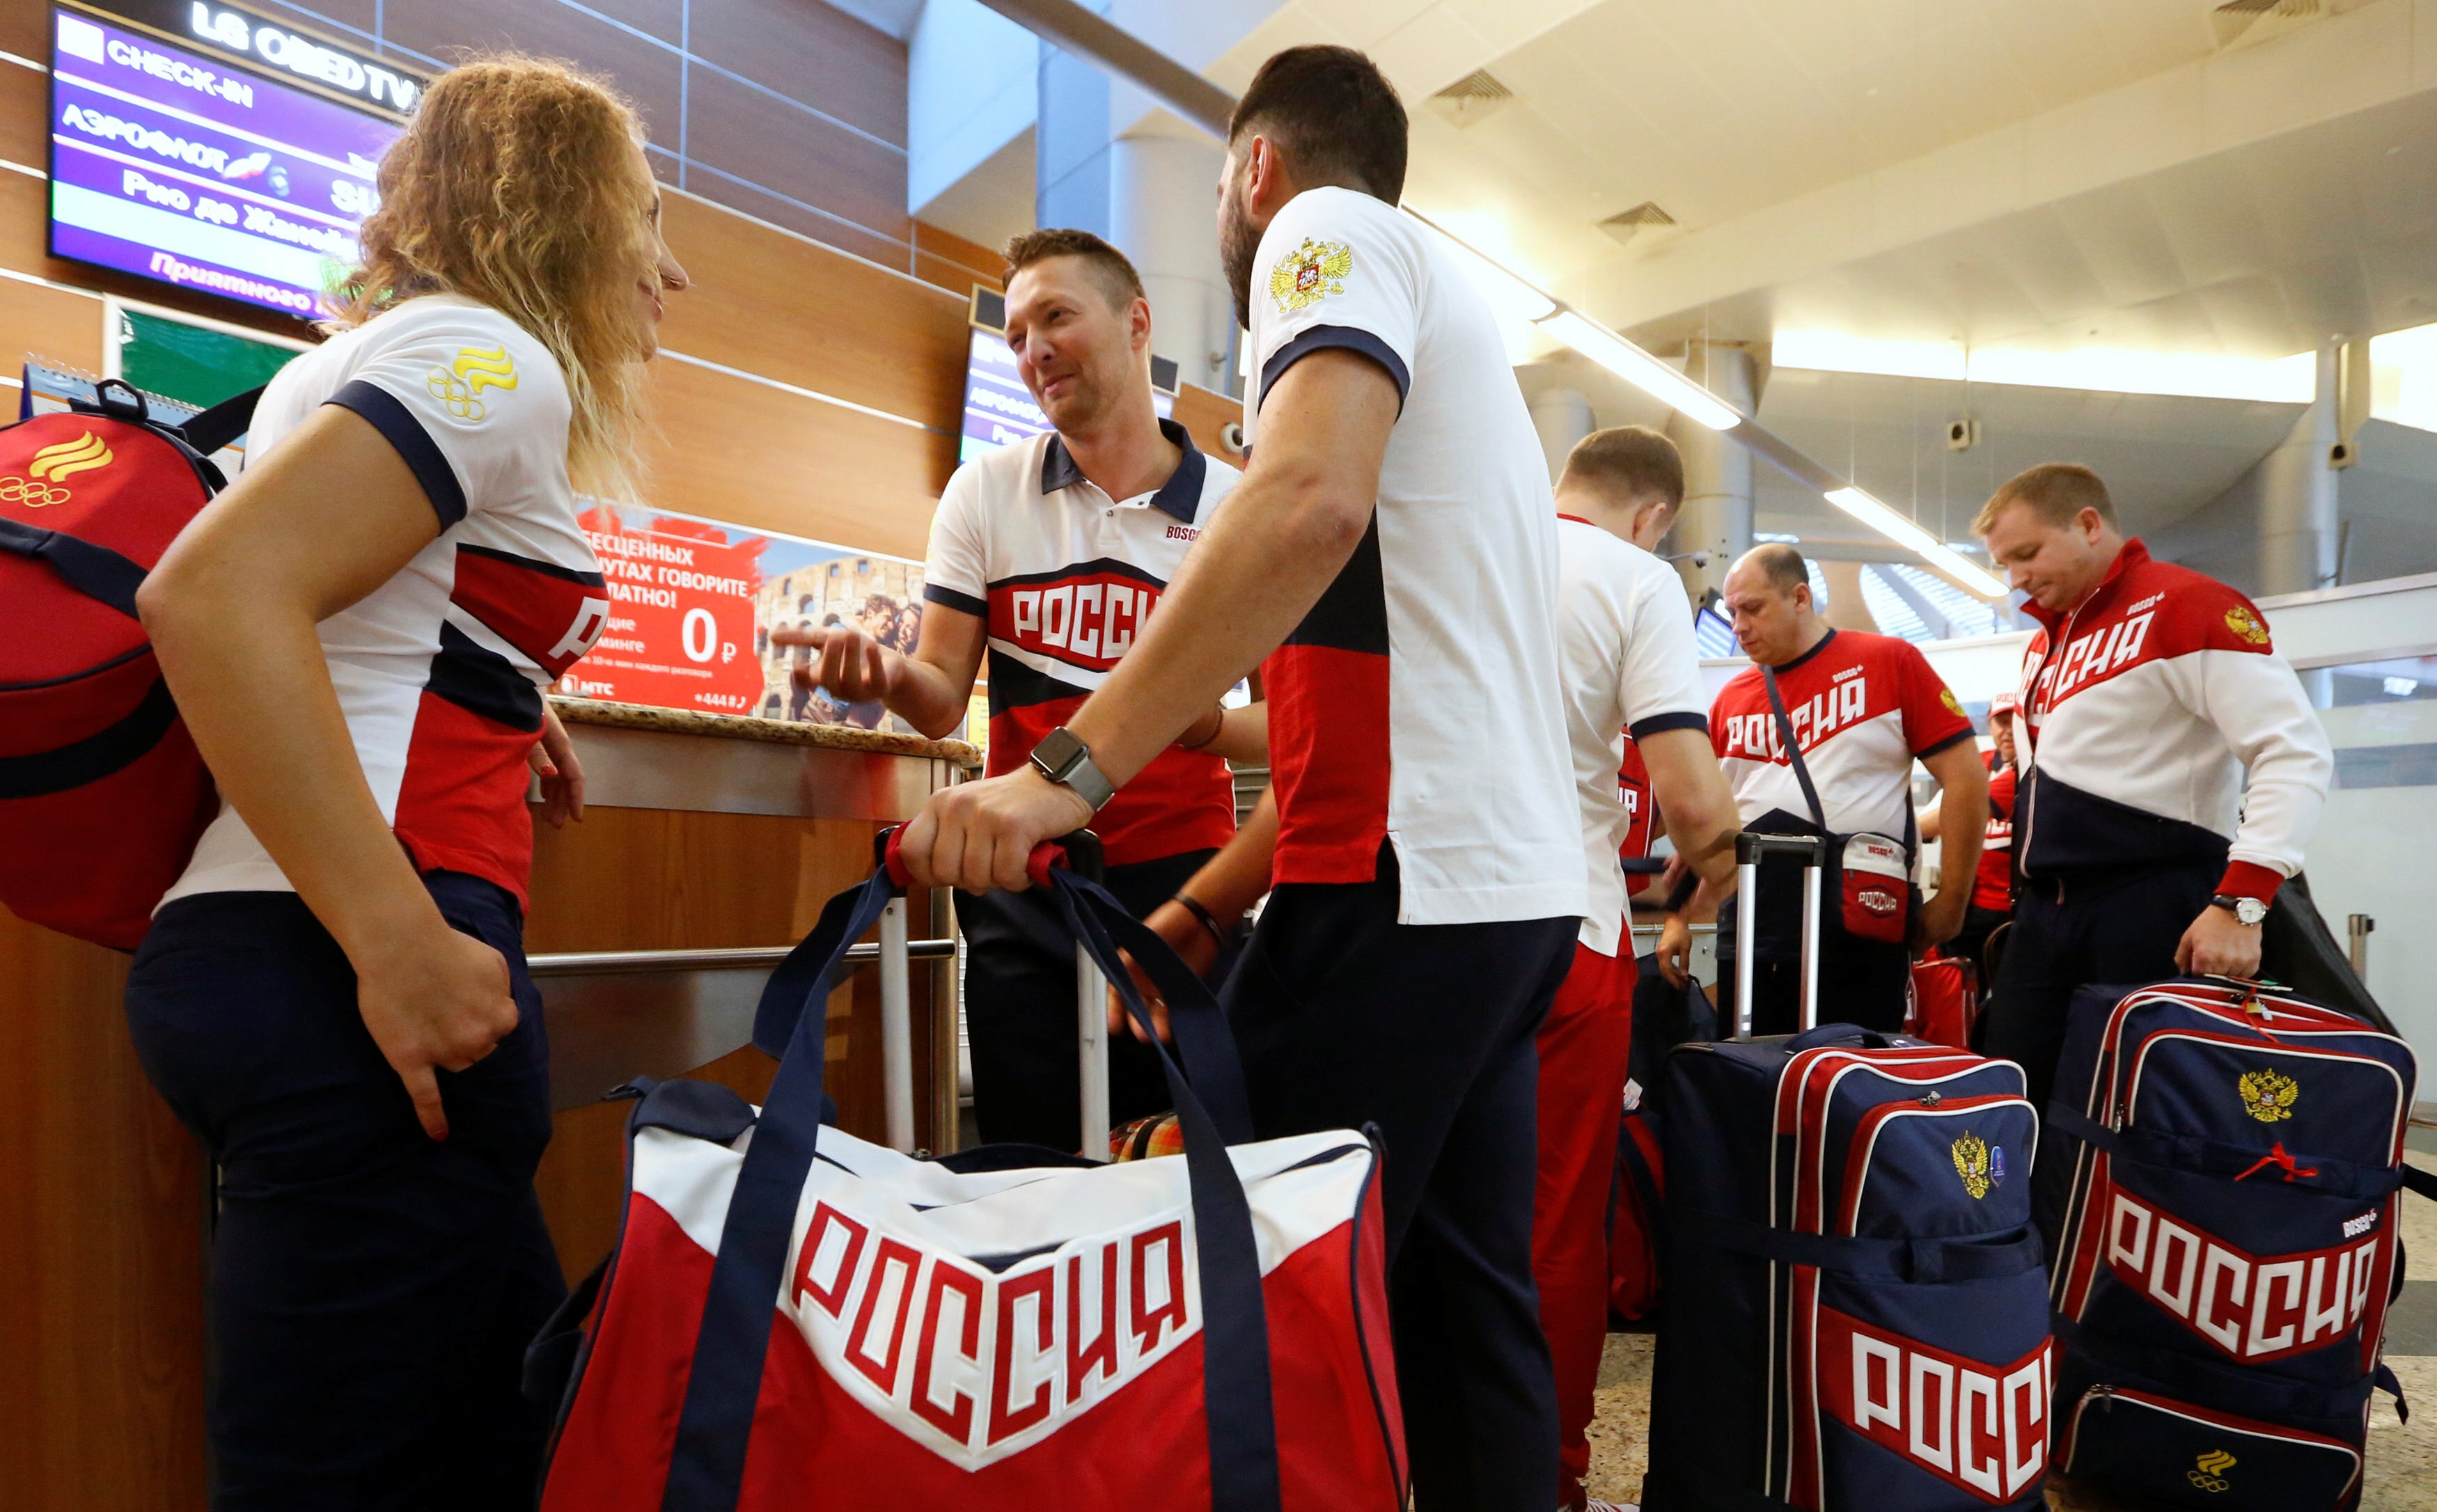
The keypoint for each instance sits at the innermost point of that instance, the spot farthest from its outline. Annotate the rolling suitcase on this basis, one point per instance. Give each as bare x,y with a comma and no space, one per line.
1856,1315
795,1317
2220,1182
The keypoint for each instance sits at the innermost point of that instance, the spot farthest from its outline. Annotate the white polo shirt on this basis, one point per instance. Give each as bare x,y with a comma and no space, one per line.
1624,629
1066,578
1417,703
439,669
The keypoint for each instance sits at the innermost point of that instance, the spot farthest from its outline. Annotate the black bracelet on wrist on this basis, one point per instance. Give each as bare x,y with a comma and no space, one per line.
1217,730
1205,918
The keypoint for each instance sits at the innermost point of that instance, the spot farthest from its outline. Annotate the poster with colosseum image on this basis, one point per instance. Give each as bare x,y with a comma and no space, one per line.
692,603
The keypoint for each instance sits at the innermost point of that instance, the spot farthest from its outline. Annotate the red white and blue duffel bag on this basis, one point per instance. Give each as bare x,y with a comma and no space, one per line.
2220,1182
795,1318
1856,1314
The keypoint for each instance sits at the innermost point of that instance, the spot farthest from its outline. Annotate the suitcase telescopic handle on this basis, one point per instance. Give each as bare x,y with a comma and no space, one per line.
1751,850
1079,852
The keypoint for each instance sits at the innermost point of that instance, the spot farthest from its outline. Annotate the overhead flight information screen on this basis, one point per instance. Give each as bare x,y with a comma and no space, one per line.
215,149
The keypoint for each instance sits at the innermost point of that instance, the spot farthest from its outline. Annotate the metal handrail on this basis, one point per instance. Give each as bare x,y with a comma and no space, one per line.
588,962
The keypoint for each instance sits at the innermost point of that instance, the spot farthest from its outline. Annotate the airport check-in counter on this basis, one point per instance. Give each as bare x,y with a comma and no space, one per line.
708,847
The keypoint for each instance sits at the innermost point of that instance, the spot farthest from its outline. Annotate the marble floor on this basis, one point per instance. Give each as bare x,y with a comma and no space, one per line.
2402,1475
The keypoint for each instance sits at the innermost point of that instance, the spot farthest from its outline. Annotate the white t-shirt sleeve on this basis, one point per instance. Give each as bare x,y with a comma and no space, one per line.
1336,270
1659,687
957,573
475,407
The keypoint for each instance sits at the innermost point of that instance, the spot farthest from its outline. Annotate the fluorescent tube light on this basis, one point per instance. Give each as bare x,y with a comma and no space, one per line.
1510,297
1902,531
1641,370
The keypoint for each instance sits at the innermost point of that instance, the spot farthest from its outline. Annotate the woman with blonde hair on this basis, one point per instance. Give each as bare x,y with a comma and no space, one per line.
359,633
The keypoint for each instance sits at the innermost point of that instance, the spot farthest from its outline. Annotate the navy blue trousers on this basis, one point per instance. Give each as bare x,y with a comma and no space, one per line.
1020,1010
1346,1017
2079,932
372,1291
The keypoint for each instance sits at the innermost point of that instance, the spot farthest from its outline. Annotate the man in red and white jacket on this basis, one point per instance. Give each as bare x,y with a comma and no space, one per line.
2148,697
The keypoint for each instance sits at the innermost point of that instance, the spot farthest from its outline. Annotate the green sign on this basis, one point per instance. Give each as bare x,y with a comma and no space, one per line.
192,364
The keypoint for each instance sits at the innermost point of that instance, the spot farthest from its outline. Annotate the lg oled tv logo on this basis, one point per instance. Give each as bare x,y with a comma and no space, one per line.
978,1364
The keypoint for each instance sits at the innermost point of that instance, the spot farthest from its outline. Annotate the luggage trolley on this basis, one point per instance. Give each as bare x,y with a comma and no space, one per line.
1083,855
1751,850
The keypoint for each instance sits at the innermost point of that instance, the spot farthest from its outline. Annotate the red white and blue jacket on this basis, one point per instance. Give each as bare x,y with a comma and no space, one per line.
2144,708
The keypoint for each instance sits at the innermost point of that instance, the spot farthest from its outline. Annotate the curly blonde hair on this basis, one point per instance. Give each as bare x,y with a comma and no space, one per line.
513,188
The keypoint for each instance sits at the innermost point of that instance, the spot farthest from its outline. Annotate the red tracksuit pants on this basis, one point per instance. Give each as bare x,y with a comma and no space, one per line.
1584,1045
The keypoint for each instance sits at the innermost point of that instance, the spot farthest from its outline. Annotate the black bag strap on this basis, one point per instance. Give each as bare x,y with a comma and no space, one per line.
96,571
2237,1163
111,749
707,1464
1794,750
222,423
1917,1261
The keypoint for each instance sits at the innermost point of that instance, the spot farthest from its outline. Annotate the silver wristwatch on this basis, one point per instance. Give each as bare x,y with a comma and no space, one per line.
1067,761
2246,910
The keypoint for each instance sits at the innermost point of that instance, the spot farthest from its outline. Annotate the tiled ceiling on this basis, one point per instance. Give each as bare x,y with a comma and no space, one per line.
1715,108
2259,252
2162,456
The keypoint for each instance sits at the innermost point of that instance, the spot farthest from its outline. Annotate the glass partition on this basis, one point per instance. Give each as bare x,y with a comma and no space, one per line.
2374,853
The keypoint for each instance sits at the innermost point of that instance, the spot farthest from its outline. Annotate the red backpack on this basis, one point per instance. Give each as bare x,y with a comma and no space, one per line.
102,795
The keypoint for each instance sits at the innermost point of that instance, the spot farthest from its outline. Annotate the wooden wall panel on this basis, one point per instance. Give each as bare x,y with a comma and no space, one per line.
25,116
1204,415
742,452
816,53
778,305
953,263
101,1256
48,323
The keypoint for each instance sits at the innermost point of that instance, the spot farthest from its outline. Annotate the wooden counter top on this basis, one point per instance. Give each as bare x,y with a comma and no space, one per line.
773,732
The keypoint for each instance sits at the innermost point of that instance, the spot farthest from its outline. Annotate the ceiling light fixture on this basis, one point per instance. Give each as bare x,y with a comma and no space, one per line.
1905,532
1511,297
1641,370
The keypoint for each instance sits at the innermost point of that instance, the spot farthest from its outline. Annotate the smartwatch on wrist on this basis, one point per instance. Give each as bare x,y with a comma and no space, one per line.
1067,761
2246,911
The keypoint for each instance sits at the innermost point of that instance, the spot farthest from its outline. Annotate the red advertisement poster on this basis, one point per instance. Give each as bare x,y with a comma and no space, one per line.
693,602
681,600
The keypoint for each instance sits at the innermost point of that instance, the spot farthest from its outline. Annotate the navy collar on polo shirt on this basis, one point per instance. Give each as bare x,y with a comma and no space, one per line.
1180,496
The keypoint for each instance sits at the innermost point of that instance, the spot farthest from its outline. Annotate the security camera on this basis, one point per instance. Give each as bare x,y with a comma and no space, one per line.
1231,436
1962,435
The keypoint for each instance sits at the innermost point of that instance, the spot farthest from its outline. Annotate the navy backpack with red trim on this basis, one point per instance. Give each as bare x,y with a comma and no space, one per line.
2223,1165
1856,1314
102,795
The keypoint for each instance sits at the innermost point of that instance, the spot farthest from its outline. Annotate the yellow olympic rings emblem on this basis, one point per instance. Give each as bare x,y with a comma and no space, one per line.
455,395
31,493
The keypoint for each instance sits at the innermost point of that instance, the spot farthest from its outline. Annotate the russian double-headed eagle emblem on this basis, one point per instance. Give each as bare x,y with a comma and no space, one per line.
1981,1165
1310,273
2268,1095
2244,623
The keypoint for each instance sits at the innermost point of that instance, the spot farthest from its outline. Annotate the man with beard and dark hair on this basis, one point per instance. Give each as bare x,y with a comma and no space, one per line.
1392,552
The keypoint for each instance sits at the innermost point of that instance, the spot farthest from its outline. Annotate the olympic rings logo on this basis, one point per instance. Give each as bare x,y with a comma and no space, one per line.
32,493
455,395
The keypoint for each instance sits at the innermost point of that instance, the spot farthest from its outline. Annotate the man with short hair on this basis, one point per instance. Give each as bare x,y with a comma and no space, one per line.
1050,554
1632,682
1392,552
1862,708
2173,768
